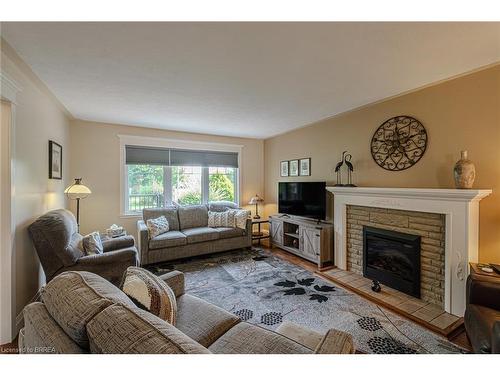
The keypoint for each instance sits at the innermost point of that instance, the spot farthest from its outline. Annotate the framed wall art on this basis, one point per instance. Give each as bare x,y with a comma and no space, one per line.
294,168
55,160
284,168
305,167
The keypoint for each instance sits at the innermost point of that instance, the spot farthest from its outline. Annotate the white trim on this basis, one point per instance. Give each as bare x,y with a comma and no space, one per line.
205,181
9,88
459,195
461,208
123,181
131,216
8,92
172,143
167,188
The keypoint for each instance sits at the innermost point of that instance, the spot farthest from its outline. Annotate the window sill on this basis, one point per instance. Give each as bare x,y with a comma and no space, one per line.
131,215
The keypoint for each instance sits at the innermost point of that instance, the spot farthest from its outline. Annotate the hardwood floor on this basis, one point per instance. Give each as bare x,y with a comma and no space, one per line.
426,314
459,338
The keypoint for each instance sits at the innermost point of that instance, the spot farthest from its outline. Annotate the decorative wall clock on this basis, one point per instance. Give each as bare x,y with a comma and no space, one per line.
399,143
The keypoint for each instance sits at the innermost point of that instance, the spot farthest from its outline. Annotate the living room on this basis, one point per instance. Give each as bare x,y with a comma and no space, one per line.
250,188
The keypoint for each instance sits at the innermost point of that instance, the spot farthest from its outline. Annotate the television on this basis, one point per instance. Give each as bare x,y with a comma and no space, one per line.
307,199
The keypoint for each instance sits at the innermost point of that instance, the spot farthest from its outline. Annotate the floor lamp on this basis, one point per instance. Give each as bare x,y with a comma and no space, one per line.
76,192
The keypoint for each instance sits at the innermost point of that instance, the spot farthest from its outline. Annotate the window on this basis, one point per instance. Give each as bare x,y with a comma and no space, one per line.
221,184
158,177
186,185
145,187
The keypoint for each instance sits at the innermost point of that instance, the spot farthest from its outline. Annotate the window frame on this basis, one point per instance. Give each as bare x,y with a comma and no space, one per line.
130,140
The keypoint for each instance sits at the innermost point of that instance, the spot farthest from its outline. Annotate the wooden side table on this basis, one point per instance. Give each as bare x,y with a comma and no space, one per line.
259,234
475,268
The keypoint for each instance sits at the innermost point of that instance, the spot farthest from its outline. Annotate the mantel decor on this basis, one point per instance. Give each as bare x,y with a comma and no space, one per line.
464,172
399,143
345,161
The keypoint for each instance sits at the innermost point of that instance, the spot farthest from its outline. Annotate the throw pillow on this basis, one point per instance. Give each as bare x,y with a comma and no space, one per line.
240,218
221,219
150,293
157,226
92,244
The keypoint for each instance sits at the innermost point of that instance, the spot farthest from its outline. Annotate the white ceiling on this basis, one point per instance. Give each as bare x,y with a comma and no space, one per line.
242,79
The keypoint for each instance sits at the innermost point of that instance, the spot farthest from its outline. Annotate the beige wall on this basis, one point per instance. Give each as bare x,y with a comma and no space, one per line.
460,114
6,274
95,156
38,119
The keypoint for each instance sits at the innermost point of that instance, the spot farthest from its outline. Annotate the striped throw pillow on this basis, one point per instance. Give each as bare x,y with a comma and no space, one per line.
150,293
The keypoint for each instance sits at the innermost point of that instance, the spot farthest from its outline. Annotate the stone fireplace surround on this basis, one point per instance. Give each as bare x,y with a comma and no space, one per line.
460,209
430,228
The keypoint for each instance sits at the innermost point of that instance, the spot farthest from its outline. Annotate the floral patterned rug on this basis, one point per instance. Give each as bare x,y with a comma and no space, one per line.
266,290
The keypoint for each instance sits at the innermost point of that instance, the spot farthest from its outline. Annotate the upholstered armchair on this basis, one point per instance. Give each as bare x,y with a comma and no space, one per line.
58,244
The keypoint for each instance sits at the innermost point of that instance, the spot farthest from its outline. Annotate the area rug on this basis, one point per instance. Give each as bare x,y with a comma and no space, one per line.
266,290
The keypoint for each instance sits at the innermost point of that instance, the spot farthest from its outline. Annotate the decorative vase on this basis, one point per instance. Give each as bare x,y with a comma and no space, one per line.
464,172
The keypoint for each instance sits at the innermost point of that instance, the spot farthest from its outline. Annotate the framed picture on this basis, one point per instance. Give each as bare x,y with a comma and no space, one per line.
294,167
55,160
305,167
284,169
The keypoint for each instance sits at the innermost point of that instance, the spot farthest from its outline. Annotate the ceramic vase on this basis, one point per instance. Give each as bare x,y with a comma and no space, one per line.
464,172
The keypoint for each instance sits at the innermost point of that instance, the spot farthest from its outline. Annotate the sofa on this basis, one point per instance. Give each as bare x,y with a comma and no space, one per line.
81,312
482,313
189,234
58,245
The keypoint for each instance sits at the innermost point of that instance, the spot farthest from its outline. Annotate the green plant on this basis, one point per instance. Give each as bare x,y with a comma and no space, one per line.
145,179
220,188
190,197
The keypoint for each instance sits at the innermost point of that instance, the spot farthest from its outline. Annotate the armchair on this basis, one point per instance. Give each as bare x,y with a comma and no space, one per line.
58,245
482,313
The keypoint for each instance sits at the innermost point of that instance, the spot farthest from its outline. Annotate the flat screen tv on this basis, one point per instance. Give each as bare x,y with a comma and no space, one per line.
306,199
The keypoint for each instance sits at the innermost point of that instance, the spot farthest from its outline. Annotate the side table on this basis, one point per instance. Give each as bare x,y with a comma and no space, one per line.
260,234
476,269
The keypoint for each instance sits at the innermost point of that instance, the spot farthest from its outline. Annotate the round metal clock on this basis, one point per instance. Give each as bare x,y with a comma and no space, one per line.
399,143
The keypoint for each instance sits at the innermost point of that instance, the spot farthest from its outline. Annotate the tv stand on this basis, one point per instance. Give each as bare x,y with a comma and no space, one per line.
305,238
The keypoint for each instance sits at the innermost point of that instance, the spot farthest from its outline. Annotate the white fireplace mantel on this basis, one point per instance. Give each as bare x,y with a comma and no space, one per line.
460,207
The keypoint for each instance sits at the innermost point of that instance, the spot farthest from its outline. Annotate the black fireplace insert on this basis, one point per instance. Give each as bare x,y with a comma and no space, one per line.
392,258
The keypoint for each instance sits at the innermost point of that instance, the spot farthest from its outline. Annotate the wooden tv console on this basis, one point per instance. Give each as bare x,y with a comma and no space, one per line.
303,237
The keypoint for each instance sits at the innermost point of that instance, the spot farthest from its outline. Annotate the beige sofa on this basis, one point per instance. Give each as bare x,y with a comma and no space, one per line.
189,234
81,312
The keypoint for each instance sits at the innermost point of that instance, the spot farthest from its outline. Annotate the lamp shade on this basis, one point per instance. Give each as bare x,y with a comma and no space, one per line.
256,200
77,190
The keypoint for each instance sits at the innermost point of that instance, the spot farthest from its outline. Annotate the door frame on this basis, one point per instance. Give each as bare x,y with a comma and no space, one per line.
8,93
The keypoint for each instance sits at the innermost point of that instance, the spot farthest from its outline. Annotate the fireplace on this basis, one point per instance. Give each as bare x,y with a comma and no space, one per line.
392,258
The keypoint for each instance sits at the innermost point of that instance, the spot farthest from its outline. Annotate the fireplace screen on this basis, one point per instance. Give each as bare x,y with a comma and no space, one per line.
392,258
